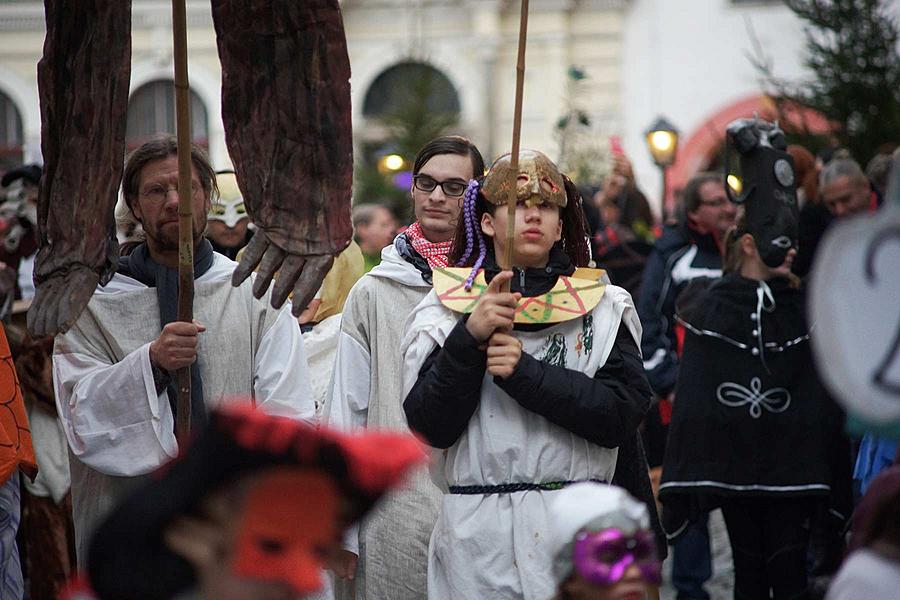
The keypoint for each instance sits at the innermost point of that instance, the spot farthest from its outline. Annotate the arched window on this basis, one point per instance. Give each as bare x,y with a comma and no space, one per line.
11,136
151,110
403,82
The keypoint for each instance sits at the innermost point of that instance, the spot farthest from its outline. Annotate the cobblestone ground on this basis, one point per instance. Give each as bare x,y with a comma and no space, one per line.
721,586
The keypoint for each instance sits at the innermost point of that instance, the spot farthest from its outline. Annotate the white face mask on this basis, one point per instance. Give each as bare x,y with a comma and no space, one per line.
229,212
229,208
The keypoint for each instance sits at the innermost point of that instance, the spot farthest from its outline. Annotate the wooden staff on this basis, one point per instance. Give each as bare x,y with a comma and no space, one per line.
511,202
185,212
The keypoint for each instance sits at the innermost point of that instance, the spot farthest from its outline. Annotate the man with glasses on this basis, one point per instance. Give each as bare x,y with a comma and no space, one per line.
690,249
114,371
387,556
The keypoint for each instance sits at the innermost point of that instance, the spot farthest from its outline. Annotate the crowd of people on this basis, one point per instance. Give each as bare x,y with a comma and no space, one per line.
584,410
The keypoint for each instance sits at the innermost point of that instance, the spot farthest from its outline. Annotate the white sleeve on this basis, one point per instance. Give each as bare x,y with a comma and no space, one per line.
347,404
281,380
114,420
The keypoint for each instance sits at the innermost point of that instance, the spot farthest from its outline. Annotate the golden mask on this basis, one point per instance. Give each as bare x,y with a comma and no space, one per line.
537,182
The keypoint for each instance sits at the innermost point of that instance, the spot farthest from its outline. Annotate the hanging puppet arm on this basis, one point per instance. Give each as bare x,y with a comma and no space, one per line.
298,274
605,409
63,290
75,207
293,163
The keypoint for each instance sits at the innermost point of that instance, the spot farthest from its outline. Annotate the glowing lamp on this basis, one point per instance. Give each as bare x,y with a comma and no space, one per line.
662,141
392,163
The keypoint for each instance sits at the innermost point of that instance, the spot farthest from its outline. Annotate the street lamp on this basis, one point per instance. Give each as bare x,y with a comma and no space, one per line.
662,141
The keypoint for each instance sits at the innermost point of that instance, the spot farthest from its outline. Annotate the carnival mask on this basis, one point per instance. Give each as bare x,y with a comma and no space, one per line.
603,557
769,187
229,208
290,522
773,222
537,182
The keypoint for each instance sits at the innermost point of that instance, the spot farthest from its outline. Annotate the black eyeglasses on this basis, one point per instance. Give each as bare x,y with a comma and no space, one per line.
451,187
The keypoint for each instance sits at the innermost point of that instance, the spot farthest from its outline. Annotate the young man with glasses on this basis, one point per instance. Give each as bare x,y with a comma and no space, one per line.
690,249
114,371
387,555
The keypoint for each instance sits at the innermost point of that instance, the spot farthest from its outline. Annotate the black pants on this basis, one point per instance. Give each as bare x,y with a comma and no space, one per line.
769,540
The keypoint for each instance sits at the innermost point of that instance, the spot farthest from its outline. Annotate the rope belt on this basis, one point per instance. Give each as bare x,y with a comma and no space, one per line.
510,488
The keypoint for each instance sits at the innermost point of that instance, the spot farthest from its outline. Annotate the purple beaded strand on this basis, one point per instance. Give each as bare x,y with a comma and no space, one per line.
482,251
469,218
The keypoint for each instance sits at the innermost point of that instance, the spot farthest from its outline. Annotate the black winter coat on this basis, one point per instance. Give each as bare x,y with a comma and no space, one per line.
679,256
605,409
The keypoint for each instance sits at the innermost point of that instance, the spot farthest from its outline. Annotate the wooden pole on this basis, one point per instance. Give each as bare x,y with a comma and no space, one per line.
509,255
185,213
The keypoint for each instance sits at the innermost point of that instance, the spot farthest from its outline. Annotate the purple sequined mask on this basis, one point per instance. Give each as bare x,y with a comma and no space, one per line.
603,557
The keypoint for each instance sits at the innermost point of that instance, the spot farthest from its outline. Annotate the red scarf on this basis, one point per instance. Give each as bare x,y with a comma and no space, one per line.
434,252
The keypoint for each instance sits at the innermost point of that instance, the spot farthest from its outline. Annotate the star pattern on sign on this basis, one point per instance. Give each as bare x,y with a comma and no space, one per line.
570,298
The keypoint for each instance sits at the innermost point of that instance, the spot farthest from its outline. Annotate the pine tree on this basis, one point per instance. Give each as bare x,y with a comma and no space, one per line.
416,115
852,55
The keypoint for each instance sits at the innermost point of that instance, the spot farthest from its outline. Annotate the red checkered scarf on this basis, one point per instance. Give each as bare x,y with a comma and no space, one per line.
434,252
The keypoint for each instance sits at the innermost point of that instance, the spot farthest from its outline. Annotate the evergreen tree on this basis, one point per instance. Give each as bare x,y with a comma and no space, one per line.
852,54
416,114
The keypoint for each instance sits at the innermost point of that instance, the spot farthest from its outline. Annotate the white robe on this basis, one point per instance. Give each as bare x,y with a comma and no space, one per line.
118,428
495,546
392,541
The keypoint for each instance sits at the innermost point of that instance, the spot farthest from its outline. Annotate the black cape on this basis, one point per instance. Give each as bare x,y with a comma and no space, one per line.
751,416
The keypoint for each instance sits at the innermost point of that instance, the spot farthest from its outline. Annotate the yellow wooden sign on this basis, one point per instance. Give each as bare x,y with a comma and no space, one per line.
570,298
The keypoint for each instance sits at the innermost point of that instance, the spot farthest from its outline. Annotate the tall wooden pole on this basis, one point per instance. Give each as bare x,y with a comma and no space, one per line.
508,255
185,213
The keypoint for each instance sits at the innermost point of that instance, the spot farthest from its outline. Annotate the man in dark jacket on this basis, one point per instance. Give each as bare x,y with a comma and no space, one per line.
690,249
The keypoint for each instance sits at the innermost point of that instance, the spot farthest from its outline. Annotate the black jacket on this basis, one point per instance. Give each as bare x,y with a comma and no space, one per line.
679,255
605,409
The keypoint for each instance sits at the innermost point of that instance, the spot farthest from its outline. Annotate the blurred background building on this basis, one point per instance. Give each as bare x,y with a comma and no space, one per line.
595,69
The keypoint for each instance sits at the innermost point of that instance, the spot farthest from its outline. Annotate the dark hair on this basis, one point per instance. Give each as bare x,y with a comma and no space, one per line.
450,144
574,229
692,197
158,148
634,207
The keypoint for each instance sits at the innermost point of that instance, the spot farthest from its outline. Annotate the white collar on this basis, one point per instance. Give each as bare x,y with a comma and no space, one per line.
222,268
395,268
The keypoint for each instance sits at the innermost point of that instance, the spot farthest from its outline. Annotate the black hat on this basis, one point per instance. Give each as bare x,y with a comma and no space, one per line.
30,173
128,558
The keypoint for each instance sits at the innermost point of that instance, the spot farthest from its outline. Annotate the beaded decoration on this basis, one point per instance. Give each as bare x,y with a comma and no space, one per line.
473,233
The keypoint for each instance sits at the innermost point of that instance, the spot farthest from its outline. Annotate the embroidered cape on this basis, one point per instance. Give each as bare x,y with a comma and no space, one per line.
751,417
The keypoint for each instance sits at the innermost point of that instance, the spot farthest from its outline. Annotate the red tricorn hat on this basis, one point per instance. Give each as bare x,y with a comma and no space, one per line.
305,473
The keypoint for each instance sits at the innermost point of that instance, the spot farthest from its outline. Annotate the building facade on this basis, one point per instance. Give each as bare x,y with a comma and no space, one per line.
471,44
687,60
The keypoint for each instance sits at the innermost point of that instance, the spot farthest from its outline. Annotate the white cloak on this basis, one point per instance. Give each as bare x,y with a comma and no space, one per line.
117,426
495,546
392,541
